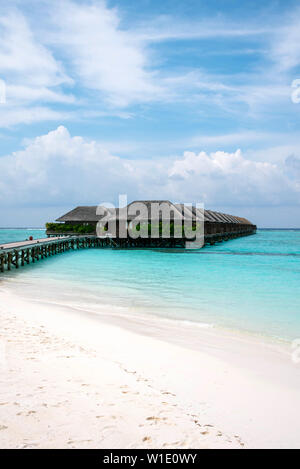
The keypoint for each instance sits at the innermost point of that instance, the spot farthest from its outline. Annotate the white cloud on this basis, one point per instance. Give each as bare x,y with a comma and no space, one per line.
231,139
23,58
86,43
31,74
105,57
166,28
28,115
22,94
231,179
285,47
58,169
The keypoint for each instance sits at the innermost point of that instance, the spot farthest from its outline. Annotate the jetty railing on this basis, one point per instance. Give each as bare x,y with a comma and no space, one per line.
23,252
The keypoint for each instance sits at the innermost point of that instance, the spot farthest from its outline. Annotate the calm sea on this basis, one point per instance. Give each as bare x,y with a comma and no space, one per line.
250,284
10,235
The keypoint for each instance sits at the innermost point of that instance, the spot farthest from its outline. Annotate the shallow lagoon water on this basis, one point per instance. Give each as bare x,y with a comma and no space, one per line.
249,284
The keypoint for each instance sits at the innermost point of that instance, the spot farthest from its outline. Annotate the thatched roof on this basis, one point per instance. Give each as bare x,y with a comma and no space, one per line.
81,214
85,214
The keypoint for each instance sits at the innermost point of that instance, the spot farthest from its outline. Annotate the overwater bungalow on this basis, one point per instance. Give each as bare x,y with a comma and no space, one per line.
141,224
122,224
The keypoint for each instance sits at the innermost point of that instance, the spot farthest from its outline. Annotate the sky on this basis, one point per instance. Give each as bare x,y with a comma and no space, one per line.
194,102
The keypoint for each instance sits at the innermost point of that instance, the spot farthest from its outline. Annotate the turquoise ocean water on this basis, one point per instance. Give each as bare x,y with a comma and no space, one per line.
250,284
10,235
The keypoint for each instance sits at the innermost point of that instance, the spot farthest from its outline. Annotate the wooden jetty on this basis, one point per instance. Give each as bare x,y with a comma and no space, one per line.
24,252
217,227
18,254
15,255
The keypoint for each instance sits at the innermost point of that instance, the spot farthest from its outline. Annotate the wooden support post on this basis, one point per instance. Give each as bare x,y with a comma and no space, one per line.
9,259
17,259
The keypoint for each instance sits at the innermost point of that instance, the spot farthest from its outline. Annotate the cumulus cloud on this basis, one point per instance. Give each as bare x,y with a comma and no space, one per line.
231,179
58,169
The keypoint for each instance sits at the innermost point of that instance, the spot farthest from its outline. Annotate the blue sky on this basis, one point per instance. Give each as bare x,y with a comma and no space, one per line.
190,101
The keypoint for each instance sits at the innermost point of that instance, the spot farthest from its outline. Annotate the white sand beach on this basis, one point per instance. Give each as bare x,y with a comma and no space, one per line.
71,379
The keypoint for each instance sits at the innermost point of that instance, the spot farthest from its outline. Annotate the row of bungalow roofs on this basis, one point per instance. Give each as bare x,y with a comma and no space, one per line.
150,210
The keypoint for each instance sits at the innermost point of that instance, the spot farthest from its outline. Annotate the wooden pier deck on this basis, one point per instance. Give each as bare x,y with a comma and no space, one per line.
23,252
34,242
18,254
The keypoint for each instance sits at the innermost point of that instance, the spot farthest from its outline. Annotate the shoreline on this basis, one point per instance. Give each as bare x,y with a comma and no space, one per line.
224,391
122,314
